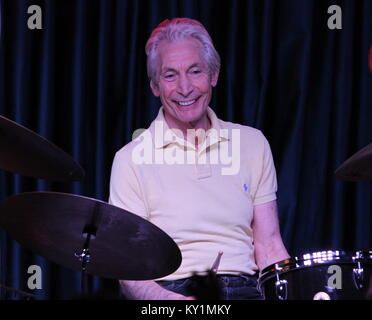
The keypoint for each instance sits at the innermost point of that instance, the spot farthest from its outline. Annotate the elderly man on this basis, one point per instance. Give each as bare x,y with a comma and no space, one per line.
182,184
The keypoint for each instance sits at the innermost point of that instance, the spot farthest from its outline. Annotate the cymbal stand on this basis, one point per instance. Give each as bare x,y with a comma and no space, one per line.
90,232
84,257
27,296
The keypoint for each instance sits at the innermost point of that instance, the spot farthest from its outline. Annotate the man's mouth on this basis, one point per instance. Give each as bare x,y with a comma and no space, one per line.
186,103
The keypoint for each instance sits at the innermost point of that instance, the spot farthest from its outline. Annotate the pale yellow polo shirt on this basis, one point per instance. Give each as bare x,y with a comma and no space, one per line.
203,198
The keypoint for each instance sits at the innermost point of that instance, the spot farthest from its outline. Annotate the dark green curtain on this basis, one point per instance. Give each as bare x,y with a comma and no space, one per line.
81,82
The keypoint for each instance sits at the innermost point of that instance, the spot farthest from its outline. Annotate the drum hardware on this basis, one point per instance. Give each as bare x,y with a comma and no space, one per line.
24,152
84,257
358,273
281,286
308,276
89,232
27,296
358,277
358,168
117,245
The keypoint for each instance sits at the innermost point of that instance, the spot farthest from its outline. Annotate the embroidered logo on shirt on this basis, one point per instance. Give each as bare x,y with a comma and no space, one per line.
245,187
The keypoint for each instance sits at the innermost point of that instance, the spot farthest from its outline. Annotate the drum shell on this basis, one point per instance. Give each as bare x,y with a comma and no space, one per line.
304,279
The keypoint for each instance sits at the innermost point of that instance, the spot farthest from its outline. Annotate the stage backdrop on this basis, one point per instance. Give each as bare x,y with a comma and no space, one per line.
81,82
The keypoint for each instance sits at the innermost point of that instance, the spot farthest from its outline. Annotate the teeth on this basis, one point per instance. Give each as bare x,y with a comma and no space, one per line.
186,103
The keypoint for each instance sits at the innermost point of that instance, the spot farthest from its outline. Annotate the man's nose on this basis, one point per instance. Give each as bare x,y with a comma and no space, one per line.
184,86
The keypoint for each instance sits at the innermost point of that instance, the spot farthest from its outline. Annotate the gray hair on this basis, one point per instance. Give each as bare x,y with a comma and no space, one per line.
176,29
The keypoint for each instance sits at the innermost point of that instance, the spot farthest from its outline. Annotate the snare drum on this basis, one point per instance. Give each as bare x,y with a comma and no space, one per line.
324,275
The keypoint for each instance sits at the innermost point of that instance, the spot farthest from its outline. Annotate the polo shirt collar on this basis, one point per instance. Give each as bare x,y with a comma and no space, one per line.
218,134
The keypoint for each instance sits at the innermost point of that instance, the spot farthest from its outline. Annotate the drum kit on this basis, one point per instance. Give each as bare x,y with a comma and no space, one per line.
95,238
76,232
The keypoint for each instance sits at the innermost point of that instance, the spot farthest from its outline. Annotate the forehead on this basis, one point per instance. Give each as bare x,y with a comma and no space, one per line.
180,53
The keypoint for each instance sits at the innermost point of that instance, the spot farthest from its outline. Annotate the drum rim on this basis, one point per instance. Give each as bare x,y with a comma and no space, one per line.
315,258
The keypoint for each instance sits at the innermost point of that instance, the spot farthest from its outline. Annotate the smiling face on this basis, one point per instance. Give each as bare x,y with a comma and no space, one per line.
184,84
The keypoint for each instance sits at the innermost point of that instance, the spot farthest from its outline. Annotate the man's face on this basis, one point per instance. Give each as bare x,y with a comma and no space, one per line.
184,86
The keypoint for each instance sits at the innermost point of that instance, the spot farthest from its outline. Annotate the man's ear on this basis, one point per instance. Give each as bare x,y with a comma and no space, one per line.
154,88
214,78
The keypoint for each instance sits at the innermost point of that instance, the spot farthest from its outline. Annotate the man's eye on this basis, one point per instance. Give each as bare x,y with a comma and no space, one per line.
169,76
195,71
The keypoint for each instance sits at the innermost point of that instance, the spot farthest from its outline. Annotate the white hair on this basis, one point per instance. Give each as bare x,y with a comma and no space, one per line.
176,29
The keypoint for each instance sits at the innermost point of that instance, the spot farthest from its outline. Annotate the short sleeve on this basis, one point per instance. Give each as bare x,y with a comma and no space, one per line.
267,183
125,190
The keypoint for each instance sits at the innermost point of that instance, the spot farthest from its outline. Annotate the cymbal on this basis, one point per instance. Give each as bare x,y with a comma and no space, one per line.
358,167
25,152
125,246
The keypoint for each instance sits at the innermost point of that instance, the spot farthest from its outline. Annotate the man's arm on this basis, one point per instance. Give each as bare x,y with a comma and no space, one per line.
268,243
148,290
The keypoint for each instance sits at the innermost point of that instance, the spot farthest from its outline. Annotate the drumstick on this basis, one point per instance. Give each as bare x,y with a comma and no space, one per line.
207,287
216,262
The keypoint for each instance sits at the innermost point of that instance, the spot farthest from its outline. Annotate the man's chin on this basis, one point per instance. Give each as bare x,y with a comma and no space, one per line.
190,117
